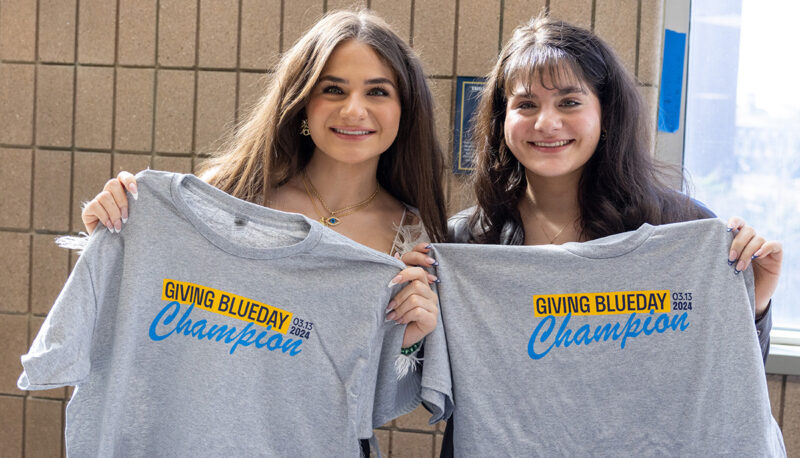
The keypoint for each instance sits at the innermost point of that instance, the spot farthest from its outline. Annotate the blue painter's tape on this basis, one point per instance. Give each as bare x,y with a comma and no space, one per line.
669,101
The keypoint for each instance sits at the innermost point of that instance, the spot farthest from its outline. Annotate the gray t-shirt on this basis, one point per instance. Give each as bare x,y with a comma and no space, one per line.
638,344
215,327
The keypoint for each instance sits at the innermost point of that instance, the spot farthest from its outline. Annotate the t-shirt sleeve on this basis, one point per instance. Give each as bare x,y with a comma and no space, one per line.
60,353
393,396
429,383
437,387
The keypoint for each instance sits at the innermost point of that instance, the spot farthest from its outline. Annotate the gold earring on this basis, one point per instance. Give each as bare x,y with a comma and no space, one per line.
304,130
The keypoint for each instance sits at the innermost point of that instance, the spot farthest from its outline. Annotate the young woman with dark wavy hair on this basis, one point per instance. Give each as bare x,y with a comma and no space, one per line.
563,156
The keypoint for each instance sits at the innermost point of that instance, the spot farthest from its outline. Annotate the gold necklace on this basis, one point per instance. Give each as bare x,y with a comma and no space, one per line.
541,227
334,217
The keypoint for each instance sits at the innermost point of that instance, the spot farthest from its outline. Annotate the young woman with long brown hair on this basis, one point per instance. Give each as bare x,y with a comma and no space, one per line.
344,135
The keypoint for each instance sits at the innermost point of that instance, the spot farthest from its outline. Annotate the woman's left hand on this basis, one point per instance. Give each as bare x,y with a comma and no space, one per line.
415,305
766,257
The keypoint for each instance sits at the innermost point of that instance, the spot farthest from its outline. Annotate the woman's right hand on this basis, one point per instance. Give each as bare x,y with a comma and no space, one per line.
110,207
416,305
418,256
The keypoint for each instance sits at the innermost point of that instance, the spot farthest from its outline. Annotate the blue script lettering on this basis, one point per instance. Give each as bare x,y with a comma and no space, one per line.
160,317
633,327
548,320
160,329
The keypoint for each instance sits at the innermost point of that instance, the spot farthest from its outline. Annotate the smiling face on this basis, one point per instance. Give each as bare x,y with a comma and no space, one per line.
552,129
354,109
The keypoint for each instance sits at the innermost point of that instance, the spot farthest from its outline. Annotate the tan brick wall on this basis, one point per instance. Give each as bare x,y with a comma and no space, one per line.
91,87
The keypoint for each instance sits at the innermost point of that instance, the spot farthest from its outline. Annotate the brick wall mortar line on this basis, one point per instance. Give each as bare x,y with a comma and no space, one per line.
64,413
454,51
24,421
783,402
75,71
74,119
193,143
33,143
114,88
18,62
156,69
638,39
282,31
500,42
238,66
16,230
16,145
12,313
411,24
140,66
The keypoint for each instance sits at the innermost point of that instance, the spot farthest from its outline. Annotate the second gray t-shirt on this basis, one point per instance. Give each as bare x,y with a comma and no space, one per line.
638,344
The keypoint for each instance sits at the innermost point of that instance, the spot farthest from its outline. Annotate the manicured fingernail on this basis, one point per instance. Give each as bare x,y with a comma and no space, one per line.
125,214
391,316
757,254
396,280
134,191
432,261
392,305
118,225
740,267
433,278
109,226
428,246
732,256
730,228
736,271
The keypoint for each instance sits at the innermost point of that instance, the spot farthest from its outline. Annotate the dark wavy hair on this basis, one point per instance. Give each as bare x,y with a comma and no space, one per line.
267,149
621,186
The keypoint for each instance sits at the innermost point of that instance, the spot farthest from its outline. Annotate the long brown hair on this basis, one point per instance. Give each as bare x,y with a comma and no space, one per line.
621,186
267,149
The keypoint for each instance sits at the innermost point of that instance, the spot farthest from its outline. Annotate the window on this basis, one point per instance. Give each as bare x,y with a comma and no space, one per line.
742,129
